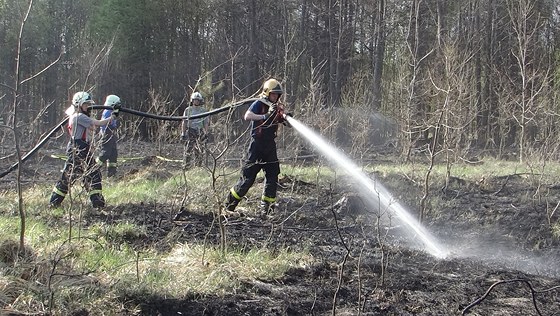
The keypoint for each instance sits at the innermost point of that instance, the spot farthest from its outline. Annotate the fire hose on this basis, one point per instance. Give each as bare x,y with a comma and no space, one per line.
55,129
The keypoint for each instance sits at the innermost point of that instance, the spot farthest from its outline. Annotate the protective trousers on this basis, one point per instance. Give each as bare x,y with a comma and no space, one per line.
109,153
262,155
79,163
194,147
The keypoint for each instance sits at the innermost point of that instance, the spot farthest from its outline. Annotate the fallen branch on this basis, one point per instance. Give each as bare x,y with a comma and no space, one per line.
533,293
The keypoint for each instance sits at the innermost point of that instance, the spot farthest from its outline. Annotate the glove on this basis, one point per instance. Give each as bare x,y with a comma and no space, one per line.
203,137
116,108
279,116
271,111
280,112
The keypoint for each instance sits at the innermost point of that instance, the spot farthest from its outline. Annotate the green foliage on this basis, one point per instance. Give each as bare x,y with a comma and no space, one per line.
191,269
556,230
38,233
105,259
312,174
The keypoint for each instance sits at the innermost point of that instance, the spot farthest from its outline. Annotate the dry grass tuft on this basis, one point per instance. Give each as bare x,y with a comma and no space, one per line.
11,288
10,252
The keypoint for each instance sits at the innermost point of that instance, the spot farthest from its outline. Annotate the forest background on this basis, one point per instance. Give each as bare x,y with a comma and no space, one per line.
483,74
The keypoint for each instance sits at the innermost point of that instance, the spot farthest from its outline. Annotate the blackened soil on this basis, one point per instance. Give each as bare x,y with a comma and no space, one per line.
496,233
495,243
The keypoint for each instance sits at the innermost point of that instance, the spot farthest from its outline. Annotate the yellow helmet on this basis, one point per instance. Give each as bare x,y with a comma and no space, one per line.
271,85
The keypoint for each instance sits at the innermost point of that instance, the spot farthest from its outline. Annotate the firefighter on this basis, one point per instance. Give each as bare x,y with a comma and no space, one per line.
265,115
109,153
79,160
194,132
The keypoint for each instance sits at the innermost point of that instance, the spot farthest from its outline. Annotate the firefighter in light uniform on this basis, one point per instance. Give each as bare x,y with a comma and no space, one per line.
265,117
80,161
109,153
194,132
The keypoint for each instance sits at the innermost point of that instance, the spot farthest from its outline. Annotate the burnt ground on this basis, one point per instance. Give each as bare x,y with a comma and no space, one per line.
499,241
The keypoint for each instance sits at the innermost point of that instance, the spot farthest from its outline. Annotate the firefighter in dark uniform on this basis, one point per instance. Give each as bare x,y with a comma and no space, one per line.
265,115
109,152
80,161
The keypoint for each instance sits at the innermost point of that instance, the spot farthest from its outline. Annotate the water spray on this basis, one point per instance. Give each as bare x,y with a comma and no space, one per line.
373,186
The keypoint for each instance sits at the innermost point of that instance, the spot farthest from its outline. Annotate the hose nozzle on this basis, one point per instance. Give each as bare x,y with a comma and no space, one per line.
286,117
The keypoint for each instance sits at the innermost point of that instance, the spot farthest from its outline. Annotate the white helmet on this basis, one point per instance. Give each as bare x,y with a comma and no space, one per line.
80,98
111,100
197,96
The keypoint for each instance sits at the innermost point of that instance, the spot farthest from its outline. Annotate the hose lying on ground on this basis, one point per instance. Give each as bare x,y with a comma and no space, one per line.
44,140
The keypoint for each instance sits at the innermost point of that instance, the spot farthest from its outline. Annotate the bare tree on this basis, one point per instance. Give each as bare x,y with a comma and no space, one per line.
532,74
15,104
418,51
379,55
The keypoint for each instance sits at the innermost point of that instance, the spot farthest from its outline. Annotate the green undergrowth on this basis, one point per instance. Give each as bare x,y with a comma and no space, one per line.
97,264
488,168
90,265
76,266
556,230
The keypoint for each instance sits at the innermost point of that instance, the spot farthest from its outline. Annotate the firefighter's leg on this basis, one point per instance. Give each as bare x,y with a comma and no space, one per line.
248,176
92,183
268,199
232,200
101,161
112,154
102,158
60,188
198,152
202,149
187,153
111,168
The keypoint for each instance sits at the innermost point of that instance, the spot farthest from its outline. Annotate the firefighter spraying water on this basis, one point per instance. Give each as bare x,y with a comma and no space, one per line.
265,115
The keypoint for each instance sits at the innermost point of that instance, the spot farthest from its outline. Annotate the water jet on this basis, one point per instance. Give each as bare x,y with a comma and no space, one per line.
373,187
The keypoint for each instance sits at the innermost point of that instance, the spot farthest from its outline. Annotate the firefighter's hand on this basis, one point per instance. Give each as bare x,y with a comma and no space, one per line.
271,111
279,115
203,137
116,109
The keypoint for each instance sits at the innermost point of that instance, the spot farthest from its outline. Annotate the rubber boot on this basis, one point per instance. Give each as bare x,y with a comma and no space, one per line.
231,202
266,208
56,200
97,200
111,171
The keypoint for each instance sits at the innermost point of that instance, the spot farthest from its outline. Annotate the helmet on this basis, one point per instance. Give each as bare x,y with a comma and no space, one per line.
111,100
271,85
197,96
80,98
